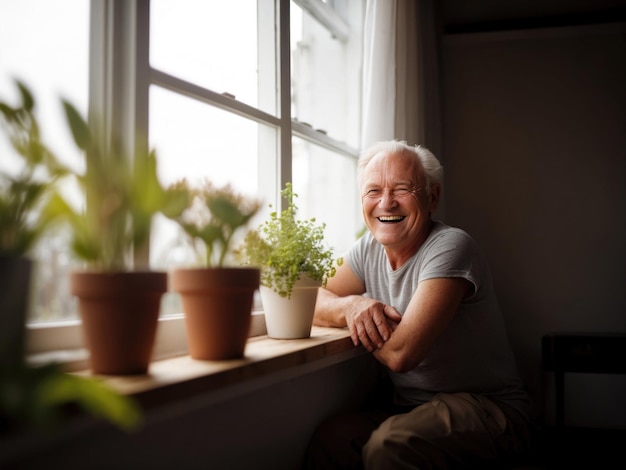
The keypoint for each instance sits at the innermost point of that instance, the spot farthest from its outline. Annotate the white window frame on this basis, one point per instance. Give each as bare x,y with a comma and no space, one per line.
119,79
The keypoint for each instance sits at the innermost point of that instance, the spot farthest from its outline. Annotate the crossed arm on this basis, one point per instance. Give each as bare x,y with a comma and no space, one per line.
398,341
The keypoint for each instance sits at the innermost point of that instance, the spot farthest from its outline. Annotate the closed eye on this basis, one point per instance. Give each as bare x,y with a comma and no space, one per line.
376,193
401,192
373,193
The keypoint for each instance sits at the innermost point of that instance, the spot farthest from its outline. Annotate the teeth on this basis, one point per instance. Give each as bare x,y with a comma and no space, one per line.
391,218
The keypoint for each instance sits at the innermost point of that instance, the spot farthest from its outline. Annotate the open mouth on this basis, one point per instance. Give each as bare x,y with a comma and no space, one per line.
391,219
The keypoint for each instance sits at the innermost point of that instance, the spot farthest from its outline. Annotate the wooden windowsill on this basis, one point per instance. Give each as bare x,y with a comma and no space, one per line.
265,361
184,390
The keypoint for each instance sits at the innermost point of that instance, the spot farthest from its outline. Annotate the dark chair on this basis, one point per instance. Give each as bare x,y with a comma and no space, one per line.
599,353
562,445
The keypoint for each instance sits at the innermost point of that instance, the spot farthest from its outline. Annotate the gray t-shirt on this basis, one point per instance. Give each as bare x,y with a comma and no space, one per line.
473,354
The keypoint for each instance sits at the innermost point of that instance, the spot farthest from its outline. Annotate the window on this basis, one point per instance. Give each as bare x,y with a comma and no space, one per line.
236,92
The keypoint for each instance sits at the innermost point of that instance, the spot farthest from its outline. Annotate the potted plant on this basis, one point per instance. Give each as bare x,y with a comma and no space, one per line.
294,263
34,397
23,194
217,298
118,303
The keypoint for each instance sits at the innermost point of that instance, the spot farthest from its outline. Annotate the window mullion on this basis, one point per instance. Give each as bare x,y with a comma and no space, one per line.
99,71
269,73
284,64
118,83
142,70
318,138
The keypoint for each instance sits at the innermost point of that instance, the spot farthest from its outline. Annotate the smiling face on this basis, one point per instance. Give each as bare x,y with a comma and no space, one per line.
396,207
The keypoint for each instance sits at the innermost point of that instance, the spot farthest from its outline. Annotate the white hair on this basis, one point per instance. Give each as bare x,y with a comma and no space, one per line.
427,161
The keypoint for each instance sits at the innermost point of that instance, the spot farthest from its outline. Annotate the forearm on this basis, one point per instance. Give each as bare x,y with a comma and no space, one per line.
370,322
331,310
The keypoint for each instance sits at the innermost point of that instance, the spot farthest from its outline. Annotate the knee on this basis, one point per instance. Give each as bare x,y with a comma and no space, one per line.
381,451
377,448
386,449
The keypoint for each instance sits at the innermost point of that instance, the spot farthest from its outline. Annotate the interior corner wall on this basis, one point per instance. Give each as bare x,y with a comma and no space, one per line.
534,145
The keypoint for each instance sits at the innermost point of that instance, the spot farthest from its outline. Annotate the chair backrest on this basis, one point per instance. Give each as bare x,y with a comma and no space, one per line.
601,353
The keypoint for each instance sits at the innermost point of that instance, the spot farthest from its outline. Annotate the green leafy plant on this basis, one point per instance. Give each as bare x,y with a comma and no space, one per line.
213,218
285,248
122,194
24,193
39,397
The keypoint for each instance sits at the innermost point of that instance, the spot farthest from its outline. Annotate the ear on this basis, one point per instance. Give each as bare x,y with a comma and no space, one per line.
435,192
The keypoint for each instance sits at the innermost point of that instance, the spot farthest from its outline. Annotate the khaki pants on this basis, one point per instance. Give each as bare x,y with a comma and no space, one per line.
453,430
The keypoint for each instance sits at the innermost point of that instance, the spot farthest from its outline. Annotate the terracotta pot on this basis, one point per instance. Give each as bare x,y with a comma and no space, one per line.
290,318
15,272
217,303
119,312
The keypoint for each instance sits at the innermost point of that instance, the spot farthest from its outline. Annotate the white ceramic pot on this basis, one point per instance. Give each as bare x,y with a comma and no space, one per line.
290,318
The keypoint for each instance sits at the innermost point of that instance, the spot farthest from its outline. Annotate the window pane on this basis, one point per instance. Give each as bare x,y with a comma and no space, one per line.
325,77
48,51
196,141
213,43
327,190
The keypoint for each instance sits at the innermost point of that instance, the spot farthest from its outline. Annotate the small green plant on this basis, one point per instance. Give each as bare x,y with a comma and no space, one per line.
24,193
122,194
285,248
213,218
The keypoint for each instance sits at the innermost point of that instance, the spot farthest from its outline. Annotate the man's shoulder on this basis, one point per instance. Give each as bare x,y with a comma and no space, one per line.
441,231
367,240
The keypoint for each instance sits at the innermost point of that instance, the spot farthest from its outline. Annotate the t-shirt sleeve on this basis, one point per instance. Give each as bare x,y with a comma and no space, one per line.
453,254
355,256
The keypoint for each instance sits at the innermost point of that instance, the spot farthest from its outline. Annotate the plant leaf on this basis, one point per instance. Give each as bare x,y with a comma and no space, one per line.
93,395
27,97
78,126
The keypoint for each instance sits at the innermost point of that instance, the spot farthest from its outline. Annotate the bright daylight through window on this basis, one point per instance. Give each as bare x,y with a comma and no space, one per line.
234,92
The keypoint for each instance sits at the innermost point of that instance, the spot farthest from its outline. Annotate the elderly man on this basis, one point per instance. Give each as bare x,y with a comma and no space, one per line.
418,295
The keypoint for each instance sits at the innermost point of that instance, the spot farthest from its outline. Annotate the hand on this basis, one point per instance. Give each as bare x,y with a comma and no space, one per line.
372,324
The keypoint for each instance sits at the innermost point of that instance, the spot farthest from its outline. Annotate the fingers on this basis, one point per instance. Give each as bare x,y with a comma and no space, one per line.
392,313
369,336
371,328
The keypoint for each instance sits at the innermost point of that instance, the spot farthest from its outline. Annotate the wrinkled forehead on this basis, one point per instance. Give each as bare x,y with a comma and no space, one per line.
395,167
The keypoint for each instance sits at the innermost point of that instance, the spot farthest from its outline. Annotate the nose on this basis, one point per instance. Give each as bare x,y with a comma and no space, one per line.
387,199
